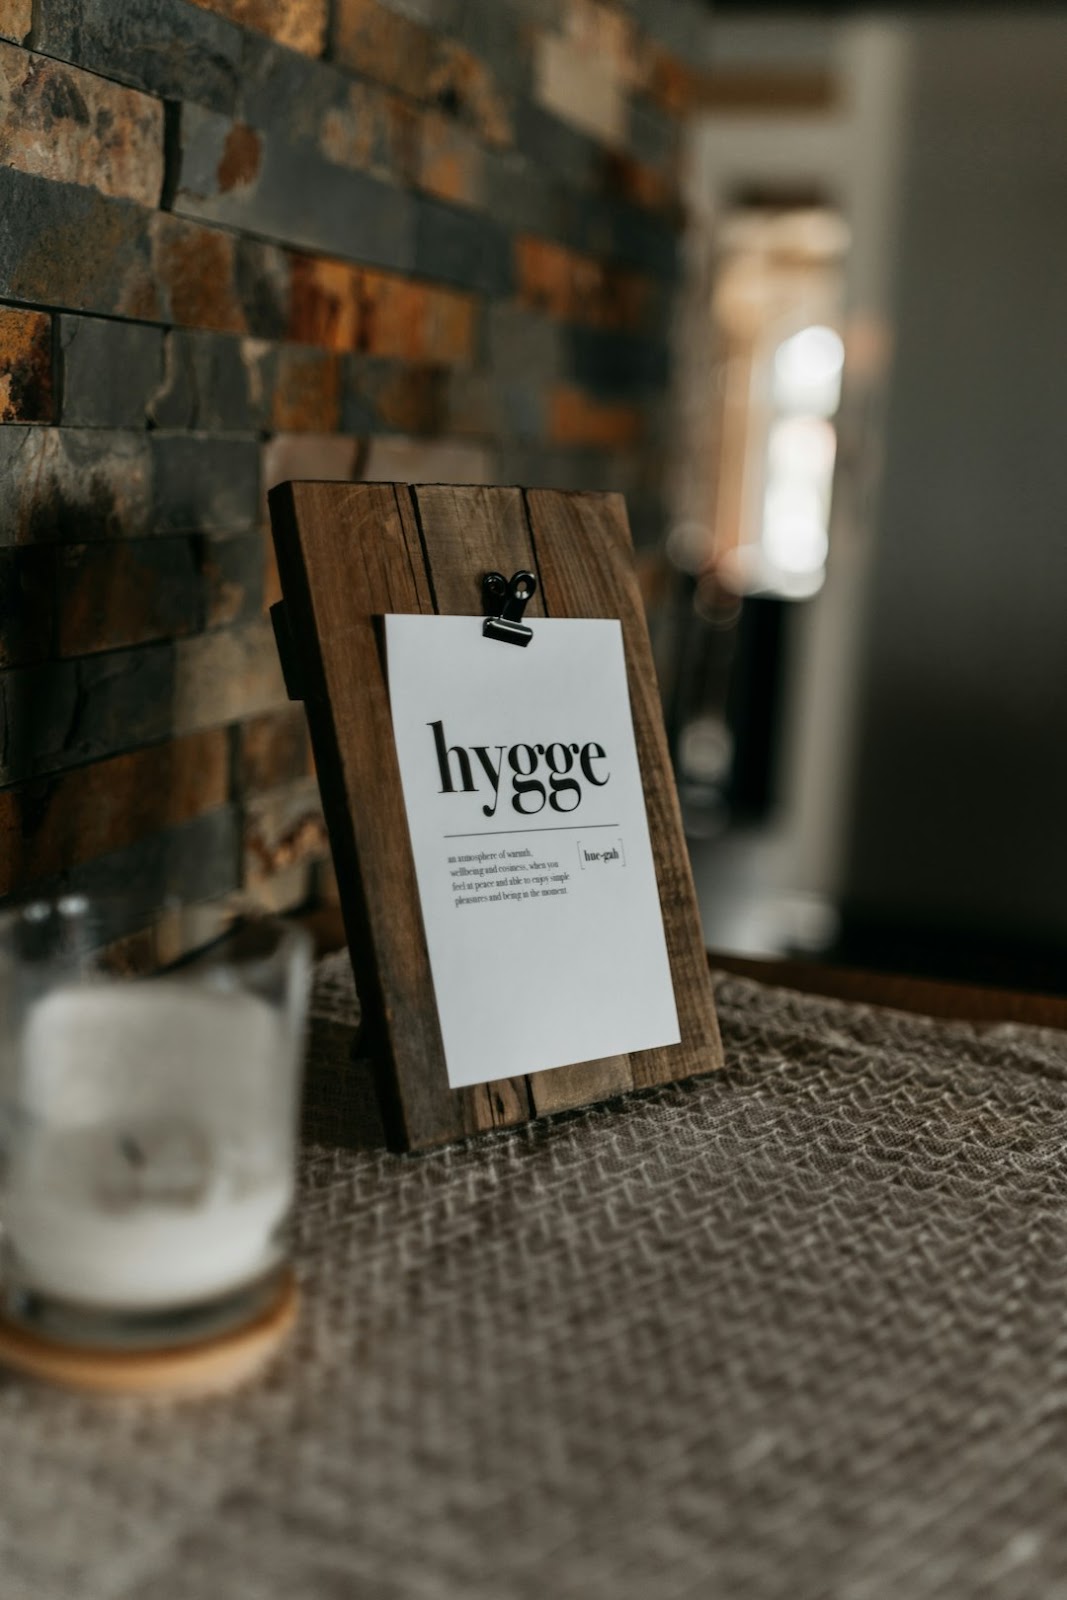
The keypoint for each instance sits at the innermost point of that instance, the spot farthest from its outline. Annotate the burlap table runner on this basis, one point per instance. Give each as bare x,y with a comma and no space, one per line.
796,1329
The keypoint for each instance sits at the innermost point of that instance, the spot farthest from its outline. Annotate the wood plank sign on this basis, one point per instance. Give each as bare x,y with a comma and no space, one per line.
513,874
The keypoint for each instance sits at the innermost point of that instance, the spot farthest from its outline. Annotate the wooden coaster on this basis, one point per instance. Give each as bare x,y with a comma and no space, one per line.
202,1368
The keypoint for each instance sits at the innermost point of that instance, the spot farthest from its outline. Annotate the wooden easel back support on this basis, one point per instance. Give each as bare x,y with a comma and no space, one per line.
350,553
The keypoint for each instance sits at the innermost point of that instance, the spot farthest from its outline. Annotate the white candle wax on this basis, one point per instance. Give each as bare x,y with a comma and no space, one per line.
153,1166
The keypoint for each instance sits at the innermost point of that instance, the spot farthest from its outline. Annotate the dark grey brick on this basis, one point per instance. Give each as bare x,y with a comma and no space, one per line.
284,87
262,277
126,699
269,185
67,246
493,32
214,383
109,371
554,146
539,13
611,364
462,247
27,605
168,47
653,134
60,601
528,198
73,484
491,406
520,195
198,861
294,97
523,344
684,27
65,713
203,484
624,233
38,706
118,594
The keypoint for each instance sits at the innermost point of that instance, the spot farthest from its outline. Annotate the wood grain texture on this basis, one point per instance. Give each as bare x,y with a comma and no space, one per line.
585,563
343,559
469,532
349,553
464,533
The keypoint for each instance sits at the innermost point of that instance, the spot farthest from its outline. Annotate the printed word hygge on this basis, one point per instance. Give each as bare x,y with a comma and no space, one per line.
540,774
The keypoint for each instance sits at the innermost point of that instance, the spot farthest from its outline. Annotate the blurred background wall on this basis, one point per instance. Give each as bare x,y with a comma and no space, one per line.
242,242
900,690
958,807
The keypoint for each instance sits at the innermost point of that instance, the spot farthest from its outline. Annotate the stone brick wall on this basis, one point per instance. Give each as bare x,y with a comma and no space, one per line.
241,241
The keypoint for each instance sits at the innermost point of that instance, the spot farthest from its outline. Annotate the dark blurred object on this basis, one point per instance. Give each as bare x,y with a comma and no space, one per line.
754,705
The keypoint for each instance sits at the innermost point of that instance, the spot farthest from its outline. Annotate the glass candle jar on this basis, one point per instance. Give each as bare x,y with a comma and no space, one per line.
147,1129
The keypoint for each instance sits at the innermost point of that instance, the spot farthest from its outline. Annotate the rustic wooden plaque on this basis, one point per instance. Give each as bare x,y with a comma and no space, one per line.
347,555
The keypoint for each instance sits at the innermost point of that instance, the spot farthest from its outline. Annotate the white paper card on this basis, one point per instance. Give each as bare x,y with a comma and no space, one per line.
531,844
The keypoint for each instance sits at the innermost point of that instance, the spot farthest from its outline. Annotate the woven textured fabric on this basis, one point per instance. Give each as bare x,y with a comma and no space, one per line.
796,1329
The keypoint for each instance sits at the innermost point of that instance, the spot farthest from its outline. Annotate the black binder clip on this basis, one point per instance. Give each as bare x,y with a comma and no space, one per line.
504,604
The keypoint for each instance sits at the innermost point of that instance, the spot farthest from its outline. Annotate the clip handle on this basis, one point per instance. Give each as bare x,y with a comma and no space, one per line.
504,602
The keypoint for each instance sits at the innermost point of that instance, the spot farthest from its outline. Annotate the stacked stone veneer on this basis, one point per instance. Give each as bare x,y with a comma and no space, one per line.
241,241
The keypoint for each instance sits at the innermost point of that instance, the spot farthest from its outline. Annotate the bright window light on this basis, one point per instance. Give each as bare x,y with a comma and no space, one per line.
807,372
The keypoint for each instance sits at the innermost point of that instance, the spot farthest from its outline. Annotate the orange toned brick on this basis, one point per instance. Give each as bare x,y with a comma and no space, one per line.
543,274
307,392
626,299
673,86
339,308
325,303
195,268
405,122
275,750
411,400
638,183
16,19
451,161
578,288
300,24
283,829
576,419
26,366
74,127
384,45
451,327
394,316
462,82
51,825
